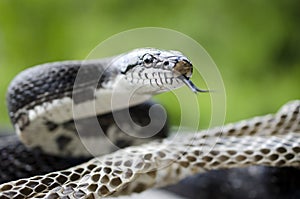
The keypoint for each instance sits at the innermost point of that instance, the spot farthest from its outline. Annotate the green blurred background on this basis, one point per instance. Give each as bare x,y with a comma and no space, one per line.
255,43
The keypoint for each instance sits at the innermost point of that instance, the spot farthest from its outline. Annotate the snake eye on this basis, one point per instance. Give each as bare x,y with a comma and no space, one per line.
148,60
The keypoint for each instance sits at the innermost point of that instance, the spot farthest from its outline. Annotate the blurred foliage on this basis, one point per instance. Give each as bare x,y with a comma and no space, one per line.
255,43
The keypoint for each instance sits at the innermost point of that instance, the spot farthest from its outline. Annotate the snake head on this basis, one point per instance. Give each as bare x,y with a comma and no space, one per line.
157,70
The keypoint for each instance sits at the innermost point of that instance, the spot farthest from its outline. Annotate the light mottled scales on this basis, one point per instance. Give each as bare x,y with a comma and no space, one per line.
272,140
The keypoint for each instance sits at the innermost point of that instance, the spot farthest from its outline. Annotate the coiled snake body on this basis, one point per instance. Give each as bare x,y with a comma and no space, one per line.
42,110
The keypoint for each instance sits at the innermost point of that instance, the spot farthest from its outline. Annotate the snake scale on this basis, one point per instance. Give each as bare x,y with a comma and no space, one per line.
42,110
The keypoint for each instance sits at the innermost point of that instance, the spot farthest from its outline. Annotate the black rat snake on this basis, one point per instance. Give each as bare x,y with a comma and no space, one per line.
49,103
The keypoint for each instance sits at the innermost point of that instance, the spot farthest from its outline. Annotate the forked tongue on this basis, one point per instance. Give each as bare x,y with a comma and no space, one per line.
184,70
191,85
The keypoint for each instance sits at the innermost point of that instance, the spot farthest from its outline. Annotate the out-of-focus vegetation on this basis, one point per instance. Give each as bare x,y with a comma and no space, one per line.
255,44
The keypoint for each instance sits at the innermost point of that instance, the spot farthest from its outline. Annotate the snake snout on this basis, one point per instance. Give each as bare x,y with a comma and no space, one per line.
183,68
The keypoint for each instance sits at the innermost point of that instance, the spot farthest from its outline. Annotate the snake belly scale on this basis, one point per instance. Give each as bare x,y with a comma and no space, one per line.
42,110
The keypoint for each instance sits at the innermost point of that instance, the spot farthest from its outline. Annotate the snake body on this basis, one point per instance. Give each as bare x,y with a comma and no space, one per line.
271,140
42,99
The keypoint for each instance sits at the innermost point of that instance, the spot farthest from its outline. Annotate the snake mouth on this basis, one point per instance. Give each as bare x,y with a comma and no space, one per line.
184,70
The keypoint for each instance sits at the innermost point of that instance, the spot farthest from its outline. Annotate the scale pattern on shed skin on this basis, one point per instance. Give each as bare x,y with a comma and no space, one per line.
267,140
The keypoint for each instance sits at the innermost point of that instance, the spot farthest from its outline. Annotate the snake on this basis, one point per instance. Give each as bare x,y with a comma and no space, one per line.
50,109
